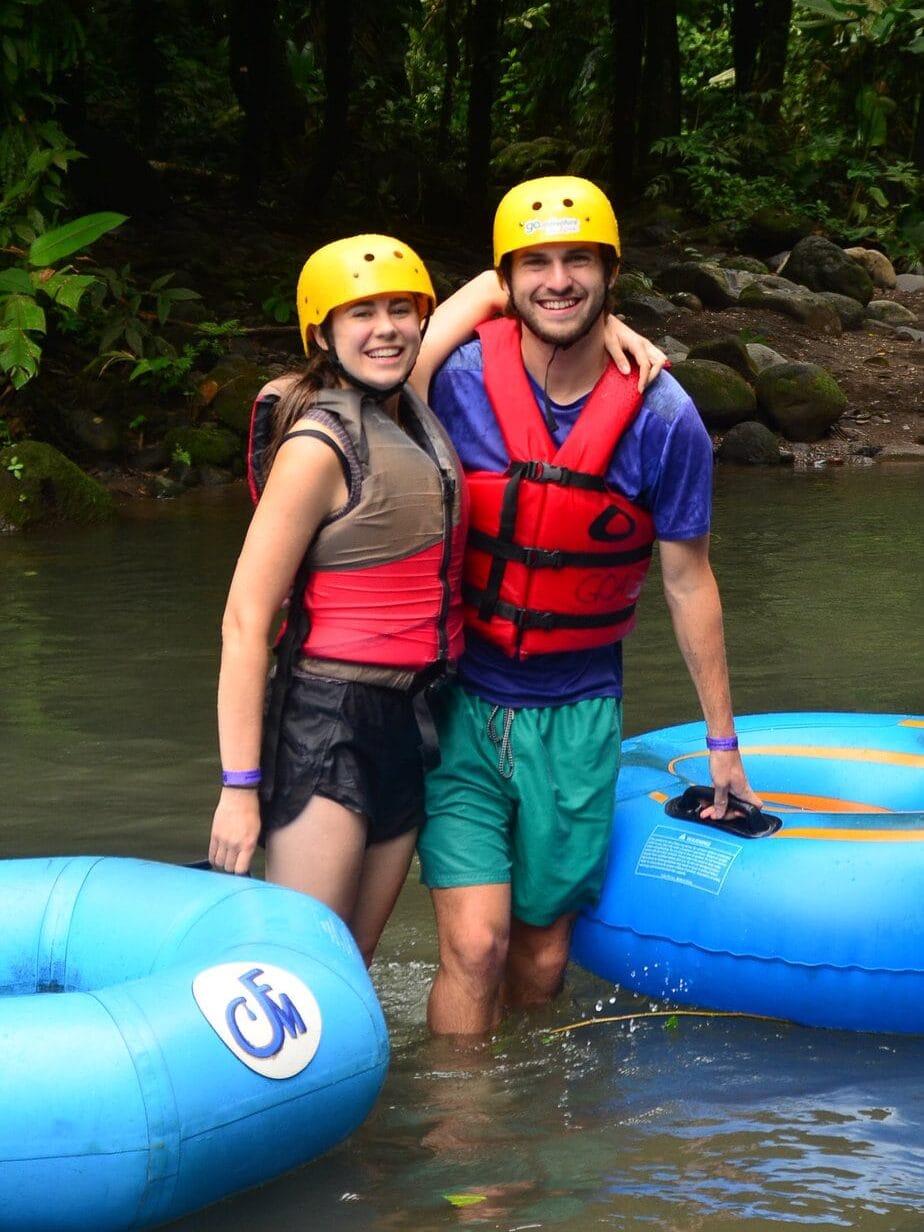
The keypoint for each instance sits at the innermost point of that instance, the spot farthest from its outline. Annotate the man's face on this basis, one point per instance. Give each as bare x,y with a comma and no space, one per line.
558,290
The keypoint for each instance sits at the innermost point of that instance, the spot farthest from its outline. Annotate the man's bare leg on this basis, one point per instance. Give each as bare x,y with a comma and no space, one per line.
536,961
473,926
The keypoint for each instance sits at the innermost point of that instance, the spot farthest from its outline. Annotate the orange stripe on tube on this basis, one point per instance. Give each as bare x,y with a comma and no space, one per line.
884,757
852,836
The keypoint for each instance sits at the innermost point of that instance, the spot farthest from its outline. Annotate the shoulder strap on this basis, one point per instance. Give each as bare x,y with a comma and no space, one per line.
328,440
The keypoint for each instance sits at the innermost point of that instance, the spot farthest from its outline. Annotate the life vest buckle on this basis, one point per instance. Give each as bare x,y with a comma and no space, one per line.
544,472
543,558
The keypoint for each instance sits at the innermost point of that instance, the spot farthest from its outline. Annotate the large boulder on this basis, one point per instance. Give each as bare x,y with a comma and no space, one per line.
39,484
786,297
850,311
722,397
891,312
230,389
820,265
876,264
207,445
750,444
762,356
730,351
801,400
709,282
772,228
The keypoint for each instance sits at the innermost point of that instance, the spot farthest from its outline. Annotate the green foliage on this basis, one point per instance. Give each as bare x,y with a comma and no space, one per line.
28,287
41,40
121,312
172,371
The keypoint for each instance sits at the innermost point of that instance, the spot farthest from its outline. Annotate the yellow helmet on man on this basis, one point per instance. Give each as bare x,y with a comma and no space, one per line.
553,209
359,267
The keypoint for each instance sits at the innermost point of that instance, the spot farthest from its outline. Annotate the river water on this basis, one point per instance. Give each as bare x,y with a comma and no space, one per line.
108,660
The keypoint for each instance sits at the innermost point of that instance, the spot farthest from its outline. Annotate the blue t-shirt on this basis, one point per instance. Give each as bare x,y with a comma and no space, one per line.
663,462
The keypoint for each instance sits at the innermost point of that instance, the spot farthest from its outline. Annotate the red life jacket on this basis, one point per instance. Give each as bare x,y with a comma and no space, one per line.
556,558
380,583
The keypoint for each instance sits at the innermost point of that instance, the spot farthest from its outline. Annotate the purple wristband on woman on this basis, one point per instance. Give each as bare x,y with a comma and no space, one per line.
721,744
240,778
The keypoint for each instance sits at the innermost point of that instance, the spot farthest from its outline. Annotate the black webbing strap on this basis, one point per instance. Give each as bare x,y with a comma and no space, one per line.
557,558
508,521
287,647
328,440
524,618
546,472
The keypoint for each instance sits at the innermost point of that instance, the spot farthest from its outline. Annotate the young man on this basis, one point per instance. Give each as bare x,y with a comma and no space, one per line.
573,475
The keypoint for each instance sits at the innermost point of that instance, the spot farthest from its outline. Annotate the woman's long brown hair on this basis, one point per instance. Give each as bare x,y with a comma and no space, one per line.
317,375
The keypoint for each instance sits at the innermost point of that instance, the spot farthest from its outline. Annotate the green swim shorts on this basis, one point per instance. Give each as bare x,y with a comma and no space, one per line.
525,797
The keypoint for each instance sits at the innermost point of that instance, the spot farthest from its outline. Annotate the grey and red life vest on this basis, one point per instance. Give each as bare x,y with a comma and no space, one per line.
380,582
556,557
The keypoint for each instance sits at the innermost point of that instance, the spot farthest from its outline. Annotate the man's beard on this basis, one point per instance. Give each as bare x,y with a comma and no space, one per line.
533,319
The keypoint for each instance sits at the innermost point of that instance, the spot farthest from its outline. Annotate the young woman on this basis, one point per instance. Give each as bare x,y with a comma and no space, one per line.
361,501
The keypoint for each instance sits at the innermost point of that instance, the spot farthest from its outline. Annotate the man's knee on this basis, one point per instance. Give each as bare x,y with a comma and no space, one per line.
478,951
473,936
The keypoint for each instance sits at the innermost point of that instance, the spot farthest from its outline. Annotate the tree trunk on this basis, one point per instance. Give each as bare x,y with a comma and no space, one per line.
659,111
746,33
250,43
149,68
627,26
450,75
333,149
776,17
484,17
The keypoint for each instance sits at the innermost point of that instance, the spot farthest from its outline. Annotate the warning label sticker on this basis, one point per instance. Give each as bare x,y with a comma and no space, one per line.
698,860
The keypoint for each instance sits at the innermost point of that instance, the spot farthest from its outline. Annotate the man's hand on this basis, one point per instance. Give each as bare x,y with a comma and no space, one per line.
624,344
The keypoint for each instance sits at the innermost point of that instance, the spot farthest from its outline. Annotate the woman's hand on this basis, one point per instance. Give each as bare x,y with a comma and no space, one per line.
235,830
624,344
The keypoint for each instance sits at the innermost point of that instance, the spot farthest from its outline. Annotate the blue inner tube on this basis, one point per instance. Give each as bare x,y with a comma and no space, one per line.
818,920
170,1037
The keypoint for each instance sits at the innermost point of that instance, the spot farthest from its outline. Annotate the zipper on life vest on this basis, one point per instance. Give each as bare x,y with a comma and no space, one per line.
448,489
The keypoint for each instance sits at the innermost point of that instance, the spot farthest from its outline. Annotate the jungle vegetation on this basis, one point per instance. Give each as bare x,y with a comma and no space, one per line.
426,111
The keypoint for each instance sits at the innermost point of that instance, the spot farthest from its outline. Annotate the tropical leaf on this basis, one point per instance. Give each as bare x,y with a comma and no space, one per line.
72,237
21,313
68,289
15,281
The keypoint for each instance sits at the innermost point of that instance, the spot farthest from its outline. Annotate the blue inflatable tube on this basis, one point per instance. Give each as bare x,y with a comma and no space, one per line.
819,922
169,1037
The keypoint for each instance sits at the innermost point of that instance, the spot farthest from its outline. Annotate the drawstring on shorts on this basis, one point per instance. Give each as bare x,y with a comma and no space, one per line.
501,742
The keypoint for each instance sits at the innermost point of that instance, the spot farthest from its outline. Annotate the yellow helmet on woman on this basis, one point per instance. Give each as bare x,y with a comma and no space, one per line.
357,268
553,209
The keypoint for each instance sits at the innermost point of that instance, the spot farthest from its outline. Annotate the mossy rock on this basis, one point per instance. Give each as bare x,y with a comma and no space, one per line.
801,400
209,445
39,484
722,396
525,160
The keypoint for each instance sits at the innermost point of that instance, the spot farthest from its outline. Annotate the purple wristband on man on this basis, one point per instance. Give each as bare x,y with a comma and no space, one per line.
721,744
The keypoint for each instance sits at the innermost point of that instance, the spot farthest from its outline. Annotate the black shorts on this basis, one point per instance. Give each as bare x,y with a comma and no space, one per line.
358,744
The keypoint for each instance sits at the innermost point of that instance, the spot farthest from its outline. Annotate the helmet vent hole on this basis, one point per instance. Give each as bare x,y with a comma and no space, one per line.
369,256
399,255
537,205
567,203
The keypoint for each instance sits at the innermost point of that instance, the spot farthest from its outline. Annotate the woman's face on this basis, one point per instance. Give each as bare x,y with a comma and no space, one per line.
377,339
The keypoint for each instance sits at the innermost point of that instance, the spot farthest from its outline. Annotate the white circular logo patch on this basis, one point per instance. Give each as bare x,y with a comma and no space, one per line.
266,1015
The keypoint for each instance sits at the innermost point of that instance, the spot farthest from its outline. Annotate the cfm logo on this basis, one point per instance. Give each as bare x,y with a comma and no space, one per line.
265,1015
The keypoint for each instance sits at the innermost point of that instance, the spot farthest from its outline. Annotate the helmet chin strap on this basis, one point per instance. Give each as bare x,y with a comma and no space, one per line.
550,420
